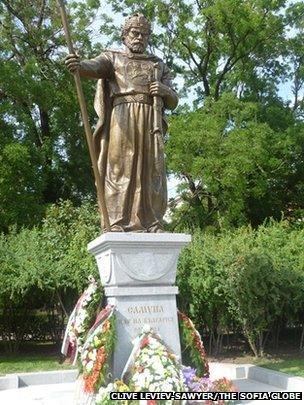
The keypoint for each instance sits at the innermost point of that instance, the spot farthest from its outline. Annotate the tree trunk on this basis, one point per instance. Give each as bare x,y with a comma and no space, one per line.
210,343
302,338
261,344
61,303
252,343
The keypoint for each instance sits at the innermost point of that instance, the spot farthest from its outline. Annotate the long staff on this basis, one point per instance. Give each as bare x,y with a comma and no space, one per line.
85,119
158,124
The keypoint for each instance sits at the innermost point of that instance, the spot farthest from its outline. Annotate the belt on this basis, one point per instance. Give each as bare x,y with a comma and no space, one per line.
134,98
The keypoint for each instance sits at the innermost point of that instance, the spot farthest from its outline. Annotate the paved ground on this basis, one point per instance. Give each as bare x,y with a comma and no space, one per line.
49,394
63,394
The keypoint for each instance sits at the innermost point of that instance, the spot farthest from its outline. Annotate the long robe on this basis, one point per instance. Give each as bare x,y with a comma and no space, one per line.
130,156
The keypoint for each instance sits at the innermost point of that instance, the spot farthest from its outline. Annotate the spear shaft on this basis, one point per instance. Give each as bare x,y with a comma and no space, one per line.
85,120
158,124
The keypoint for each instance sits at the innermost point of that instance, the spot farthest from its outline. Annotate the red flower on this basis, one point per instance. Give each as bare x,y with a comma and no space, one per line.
144,342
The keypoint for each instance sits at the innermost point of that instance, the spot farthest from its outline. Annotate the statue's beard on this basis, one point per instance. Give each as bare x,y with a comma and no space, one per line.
135,47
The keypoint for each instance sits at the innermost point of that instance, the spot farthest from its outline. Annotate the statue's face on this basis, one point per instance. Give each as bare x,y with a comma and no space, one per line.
136,40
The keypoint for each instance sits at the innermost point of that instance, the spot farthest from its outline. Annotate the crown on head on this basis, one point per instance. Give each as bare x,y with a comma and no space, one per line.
137,21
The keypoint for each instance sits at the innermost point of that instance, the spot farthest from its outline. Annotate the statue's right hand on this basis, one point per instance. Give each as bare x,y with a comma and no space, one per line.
72,62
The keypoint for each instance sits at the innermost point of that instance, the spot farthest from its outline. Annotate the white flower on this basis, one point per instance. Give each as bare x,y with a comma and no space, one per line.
167,387
153,344
158,366
152,387
142,378
90,366
145,358
103,393
93,355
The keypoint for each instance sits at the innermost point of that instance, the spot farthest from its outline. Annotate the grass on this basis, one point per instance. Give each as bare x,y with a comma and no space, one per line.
32,357
285,363
293,367
45,357
24,364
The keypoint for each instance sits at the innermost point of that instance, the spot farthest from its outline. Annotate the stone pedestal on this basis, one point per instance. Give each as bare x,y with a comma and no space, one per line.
138,271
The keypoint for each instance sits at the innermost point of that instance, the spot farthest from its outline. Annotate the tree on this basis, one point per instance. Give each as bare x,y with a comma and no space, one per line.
216,45
231,54
237,168
38,104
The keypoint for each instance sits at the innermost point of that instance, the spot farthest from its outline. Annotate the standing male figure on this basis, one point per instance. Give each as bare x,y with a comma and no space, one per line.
130,155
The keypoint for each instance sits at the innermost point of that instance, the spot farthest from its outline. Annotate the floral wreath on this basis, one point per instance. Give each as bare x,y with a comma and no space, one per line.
191,340
97,351
81,320
151,366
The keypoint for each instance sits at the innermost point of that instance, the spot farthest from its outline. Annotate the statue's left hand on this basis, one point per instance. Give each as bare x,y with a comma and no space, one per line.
159,89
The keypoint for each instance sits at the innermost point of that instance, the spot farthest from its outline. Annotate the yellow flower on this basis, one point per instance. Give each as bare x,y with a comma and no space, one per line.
96,341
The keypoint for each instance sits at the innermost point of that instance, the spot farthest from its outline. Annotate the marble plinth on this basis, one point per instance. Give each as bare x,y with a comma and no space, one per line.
138,271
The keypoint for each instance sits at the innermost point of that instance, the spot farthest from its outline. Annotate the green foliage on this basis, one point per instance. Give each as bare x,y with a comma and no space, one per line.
245,278
45,156
293,367
31,363
237,169
45,269
214,44
108,342
201,280
66,232
21,186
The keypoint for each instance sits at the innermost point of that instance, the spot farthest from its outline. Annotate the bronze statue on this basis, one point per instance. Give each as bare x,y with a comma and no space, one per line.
133,90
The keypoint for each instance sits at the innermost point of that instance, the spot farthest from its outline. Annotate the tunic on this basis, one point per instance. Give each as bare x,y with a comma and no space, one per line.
130,156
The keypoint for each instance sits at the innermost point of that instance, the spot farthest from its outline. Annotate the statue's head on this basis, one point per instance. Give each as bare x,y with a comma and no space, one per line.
136,32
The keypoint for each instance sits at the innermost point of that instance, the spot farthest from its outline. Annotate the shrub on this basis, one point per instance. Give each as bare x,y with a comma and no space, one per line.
43,271
251,279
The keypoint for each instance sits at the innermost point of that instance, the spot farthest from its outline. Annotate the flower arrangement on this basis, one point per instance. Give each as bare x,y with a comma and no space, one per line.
81,320
152,366
191,341
97,350
195,383
223,385
205,384
103,396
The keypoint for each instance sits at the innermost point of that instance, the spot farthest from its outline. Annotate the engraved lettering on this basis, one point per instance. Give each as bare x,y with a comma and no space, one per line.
146,309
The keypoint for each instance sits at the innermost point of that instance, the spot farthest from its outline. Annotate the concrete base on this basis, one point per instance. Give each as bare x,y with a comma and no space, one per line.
20,380
138,271
131,259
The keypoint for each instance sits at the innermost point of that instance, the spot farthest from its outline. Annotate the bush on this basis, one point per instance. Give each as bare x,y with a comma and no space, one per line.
43,271
252,280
